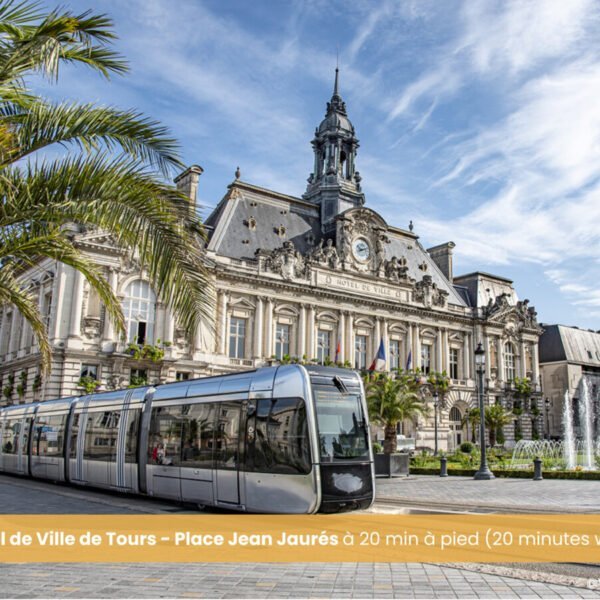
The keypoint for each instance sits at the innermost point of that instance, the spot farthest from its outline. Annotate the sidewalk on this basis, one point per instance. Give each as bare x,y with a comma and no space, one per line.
507,495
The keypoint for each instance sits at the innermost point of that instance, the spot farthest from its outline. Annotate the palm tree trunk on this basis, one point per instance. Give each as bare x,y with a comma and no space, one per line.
492,435
390,443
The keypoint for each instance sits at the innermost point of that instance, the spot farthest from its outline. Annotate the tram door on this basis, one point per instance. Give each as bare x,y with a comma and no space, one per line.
227,453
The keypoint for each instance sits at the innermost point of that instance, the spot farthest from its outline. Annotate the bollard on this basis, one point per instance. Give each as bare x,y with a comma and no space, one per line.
537,469
443,467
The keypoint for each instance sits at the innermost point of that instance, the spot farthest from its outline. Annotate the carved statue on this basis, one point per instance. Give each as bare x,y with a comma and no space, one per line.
285,261
396,269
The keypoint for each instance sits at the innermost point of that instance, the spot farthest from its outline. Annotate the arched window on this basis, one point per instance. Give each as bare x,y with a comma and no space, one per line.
139,308
509,362
455,415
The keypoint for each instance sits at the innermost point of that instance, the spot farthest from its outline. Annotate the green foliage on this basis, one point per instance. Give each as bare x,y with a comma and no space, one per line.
467,447
439,382
137,381
392,400
377,448
89,384
152,352
523,388
496,417
37,383
112,177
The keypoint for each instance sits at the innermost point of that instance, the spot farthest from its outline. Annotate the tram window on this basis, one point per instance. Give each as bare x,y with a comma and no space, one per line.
74,435
48,433
227,435
101,435
342,428
277,437
10,443
164,439
132,436
198,436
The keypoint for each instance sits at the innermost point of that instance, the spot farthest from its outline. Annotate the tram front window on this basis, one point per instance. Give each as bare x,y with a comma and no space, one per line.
342,428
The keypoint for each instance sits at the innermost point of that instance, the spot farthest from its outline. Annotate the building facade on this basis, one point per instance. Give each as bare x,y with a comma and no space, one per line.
570,362
319,277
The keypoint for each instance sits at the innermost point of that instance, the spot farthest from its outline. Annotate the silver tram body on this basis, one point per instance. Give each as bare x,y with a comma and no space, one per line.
288,439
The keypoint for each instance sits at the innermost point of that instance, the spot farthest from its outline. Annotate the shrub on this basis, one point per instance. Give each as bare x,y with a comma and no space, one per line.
377,448
466,447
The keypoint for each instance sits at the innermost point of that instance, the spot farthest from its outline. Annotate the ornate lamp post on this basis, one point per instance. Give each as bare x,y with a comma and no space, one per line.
436,404
547,407
484,471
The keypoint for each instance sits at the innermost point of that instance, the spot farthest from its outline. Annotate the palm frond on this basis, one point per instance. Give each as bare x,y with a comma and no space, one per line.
11,293
40,124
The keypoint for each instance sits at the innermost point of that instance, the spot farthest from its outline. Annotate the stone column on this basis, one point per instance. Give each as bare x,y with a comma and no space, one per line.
446,351
488,362
223,321
350,338
466,357
169,325
269,328
341,337
310,337
500,353
2,330
108,332
15,333
409,347
523,362
302,332
535,375
439,366
417,345
386,343
58,297
258,328
76,306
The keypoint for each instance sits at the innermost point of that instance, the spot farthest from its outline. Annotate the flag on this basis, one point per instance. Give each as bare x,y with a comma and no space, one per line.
409,360
378,363
338,350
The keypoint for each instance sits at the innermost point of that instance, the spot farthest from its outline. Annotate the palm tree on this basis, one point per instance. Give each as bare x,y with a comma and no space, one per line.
392,401
113,178
496,417
472,418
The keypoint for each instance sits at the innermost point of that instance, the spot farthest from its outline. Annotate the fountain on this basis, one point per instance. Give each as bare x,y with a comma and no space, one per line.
570,453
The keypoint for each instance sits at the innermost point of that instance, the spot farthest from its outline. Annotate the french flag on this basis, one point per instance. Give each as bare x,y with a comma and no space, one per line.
378,363
338,350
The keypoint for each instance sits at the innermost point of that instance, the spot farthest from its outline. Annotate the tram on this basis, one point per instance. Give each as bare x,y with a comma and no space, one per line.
287,439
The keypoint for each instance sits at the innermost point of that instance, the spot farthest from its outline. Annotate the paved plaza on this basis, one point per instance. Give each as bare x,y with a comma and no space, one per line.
499,495
340,580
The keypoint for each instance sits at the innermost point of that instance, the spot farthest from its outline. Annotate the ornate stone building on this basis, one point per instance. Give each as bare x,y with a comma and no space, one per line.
294,276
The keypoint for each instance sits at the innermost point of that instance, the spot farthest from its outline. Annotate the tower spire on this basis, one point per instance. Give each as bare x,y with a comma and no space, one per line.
336,84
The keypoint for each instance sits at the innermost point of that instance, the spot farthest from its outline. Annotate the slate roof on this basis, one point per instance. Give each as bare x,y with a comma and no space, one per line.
233,238
577,346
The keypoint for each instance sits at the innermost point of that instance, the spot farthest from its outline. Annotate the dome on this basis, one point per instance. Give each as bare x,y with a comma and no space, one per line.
335,120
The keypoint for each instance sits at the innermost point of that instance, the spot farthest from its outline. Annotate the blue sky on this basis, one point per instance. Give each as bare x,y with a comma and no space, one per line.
478,121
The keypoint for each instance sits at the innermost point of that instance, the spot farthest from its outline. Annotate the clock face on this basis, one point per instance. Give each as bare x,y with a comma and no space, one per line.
361,249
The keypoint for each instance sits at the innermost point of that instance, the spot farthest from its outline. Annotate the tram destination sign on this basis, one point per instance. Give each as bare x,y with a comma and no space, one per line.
361,288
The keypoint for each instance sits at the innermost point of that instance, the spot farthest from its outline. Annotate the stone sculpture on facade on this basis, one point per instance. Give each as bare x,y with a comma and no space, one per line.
427,292
285,261
396,269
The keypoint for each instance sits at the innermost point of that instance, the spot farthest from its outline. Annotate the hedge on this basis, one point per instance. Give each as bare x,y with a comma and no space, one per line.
514,473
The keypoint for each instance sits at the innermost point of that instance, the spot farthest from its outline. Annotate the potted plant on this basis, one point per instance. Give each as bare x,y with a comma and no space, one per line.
89,384
392,400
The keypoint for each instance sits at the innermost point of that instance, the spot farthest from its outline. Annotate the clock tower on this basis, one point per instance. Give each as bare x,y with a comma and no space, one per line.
334,183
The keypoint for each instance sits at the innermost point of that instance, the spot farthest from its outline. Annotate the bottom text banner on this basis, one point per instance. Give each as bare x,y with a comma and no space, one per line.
278,538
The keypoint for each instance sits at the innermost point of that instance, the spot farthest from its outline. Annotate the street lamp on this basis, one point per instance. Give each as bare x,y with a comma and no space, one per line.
484,471
547,406
436,403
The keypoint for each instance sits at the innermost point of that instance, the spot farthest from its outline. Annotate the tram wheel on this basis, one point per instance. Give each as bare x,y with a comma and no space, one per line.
201,506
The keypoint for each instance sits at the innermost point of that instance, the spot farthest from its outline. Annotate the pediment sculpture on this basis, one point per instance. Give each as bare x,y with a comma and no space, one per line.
285,261
427,292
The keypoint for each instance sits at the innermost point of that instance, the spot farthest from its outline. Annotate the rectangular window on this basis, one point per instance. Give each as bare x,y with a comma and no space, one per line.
237,338
323,346
11,437
164,437
101,434
394,355
89,371
426,359
360,355
138,377
132,435
182,376
277,437
282,340
198,436
453,363
48,432
227,435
